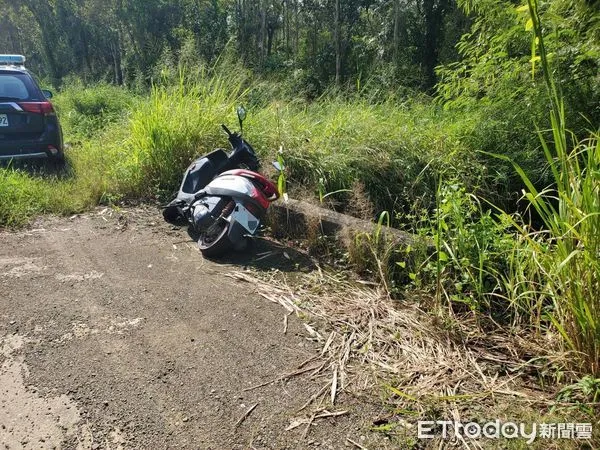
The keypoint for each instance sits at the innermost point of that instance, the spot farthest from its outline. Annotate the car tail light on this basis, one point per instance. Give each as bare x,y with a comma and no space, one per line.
44,108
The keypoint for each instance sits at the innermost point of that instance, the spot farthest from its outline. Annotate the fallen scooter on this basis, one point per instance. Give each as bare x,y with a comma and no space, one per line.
223,197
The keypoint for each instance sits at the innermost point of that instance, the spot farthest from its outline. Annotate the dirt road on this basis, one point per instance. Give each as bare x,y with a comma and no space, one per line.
115,333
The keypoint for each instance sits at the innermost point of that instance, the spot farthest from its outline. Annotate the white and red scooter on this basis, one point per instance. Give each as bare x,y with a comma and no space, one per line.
223,202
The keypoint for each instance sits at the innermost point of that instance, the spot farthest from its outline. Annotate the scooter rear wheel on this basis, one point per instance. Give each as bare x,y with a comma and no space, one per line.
215,244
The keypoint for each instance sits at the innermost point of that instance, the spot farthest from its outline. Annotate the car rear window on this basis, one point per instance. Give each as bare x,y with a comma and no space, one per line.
17,86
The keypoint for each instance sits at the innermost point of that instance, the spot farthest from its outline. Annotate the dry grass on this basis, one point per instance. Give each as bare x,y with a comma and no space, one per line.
420,366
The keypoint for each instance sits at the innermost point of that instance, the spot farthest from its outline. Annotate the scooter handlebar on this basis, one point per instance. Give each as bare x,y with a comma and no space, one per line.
226,129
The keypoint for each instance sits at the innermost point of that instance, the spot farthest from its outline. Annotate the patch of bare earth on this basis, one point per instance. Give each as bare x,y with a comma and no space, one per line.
116,334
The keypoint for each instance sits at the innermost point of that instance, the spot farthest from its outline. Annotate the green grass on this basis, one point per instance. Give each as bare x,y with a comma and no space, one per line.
541,275
85,111
335,142
20,197
562,270
126,146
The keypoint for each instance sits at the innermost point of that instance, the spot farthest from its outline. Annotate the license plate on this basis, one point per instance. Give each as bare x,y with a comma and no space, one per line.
3,120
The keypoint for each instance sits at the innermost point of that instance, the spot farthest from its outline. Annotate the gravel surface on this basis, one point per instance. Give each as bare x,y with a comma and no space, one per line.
116,333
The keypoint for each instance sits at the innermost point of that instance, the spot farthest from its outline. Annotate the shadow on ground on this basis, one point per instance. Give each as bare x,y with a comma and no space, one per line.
265,255
41,168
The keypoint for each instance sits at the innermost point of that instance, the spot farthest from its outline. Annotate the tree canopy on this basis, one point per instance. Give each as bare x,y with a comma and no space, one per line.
460,50
320,42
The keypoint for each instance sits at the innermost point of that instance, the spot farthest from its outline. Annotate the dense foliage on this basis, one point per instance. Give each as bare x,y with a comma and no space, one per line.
499,76
314,42
474,57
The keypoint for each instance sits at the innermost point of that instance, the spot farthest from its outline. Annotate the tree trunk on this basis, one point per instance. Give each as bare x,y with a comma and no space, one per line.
11,38
270,34
296,28
338,56
434,13
45,20
117,60
241,30
396,42
85,48
263,33
314,41
286,21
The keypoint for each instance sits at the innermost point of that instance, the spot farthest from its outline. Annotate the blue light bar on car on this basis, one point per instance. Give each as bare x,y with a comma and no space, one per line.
12,60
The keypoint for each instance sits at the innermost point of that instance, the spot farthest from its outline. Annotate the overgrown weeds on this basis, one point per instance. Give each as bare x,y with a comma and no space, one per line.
86,110
543,275
127,146
538,272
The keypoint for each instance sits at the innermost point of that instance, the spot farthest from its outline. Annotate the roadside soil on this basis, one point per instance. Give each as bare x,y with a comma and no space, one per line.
115,333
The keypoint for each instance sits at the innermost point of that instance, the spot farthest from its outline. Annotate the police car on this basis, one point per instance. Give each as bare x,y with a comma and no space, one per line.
29,127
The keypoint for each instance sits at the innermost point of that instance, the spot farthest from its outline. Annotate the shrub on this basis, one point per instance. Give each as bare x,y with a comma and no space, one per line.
86,110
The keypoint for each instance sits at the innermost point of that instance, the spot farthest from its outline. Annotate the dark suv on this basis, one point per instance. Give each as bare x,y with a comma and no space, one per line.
29,127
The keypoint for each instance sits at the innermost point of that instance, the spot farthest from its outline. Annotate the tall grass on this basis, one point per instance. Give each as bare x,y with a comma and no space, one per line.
175,125
121,146
558,272
564,257
20,197
127,146
86,110
543,274
332,143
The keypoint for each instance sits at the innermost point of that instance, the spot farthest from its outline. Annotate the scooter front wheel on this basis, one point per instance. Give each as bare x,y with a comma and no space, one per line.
215,244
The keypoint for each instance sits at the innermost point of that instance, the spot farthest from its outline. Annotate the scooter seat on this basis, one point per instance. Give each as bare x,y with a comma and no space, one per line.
203,170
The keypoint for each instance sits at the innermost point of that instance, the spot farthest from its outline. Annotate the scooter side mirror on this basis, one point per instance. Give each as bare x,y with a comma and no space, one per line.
241,113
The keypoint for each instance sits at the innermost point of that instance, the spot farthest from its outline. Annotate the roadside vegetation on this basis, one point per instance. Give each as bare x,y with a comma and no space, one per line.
498,169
